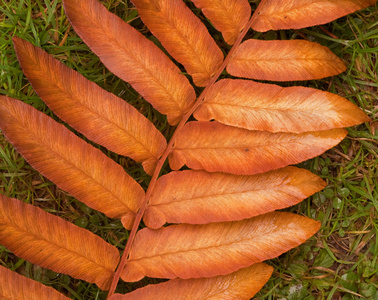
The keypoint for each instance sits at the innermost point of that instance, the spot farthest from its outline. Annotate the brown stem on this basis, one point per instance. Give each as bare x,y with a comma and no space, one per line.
168,149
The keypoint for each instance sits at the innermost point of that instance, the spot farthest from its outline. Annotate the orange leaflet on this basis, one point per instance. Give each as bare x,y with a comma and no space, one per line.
15,286
90,109
68,161
258,106
50,242
228,16
193,251
240,285
295,14
132,57
219,148
183,35
198,197
284,61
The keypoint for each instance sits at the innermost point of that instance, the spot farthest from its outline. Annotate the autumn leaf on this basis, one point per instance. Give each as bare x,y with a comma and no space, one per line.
208,145
49,241
242,284
238,151
15,286
258,106
202,249
284,61
295,14
198,197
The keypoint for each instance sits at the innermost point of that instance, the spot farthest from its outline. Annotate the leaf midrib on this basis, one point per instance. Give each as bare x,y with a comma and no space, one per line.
269,108
240,148
257,236
210,196
261,61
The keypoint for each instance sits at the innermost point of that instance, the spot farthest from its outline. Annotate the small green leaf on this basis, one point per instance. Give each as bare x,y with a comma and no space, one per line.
348,281
81,222
337,203
344,192
323,259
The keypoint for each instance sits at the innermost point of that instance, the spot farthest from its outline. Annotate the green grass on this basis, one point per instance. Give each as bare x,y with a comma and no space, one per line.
339,262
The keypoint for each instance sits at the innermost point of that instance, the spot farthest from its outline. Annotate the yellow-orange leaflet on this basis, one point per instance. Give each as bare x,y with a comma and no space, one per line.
50,242
286,14
132,57
71,163
215,147
183,35
90,109
240,285
257,106
193,251
284,61
228,16
198,197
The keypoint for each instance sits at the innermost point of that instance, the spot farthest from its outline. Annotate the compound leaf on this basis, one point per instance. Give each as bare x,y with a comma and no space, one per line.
225,205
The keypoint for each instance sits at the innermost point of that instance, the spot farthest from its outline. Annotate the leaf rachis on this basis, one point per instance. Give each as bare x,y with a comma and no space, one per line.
139,215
